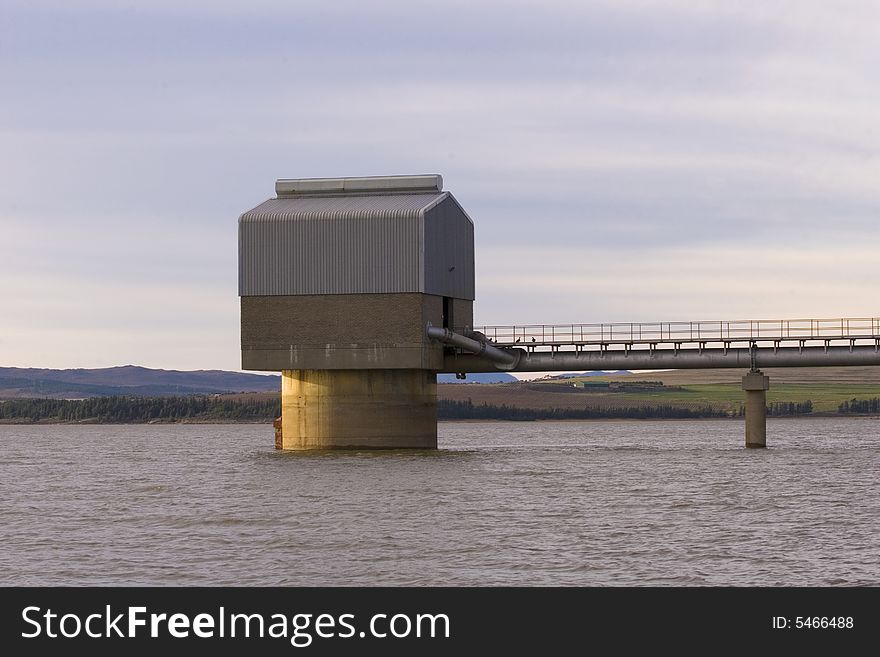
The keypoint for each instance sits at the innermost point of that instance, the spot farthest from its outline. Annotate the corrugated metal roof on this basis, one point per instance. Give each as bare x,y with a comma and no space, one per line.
343,255
356,244
349,205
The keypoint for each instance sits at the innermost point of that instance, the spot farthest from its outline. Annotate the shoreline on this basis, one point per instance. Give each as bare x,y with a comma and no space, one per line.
811,416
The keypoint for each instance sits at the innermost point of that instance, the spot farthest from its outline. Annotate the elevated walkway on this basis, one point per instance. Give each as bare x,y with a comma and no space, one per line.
654,334
663,345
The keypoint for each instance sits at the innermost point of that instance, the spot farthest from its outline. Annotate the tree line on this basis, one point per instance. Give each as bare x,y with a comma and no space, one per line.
466,410
132,410
790,408
208,408
860,406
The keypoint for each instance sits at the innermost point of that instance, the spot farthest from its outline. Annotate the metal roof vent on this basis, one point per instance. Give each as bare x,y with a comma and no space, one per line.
366,185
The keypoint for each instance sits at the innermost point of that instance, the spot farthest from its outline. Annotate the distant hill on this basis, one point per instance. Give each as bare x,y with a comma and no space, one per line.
484,377
127,380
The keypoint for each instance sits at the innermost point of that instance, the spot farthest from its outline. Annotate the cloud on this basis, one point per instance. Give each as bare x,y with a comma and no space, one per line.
55,321
557,285
621,160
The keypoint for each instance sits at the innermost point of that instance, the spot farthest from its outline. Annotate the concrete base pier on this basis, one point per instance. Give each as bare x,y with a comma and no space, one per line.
366,409
755,384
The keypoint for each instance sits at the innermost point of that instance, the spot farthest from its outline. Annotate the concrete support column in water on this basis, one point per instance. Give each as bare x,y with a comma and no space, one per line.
367,409
755,384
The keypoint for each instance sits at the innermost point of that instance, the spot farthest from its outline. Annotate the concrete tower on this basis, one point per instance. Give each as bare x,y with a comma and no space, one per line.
339,279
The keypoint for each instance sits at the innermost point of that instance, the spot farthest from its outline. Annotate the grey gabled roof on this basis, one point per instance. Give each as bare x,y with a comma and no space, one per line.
348,206
384,234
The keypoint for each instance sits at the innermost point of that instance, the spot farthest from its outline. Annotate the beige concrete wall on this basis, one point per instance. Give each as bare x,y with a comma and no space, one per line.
756,418
342,331
367,409
755,385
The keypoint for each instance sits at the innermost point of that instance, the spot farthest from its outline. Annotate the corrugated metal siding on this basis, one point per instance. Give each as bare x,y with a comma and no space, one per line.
333,245
449,242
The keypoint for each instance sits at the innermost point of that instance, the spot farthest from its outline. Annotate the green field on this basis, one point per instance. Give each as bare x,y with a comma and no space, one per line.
677,389
825,397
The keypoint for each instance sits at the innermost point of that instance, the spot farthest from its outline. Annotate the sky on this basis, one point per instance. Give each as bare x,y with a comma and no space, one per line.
640,160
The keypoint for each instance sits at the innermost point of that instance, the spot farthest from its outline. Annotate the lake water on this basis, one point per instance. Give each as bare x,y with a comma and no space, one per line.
550,503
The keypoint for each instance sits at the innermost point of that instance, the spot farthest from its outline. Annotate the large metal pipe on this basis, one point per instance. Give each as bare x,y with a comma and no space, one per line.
501,359
665,359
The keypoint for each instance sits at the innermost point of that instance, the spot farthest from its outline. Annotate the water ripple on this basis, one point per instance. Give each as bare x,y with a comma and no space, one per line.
569,503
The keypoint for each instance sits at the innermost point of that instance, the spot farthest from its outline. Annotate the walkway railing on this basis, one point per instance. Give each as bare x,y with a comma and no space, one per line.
653,333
